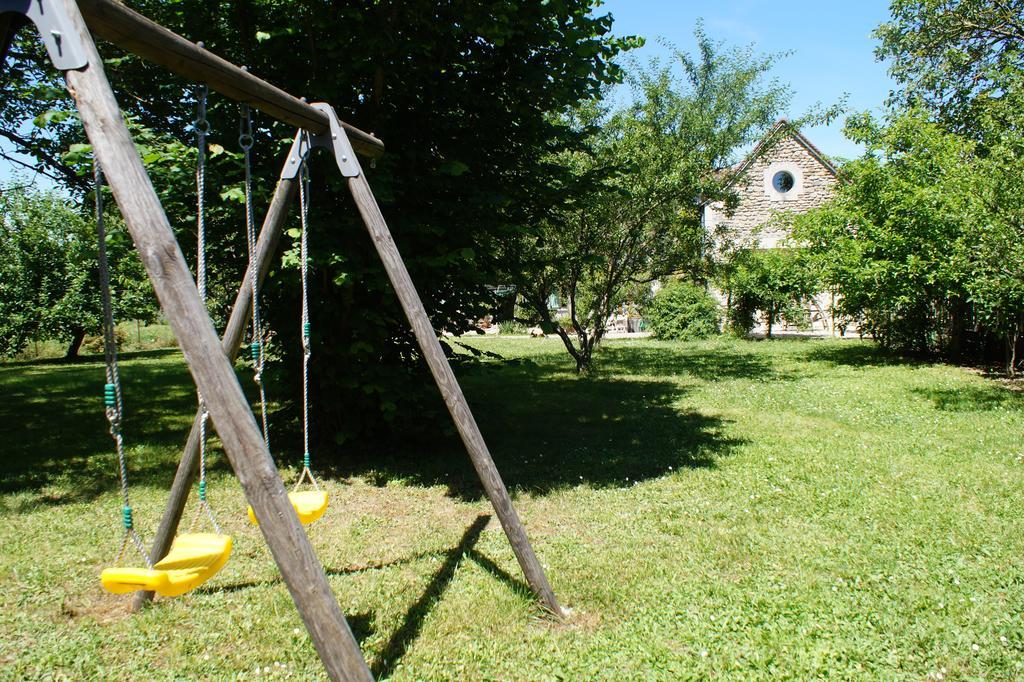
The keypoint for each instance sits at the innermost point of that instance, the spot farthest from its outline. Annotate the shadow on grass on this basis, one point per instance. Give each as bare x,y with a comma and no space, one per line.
548,429
86,359
412,623
52,425
852,353
973,398
415,616
706,363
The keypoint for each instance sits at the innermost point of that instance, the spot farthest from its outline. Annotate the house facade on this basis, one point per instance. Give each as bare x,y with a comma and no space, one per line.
784,173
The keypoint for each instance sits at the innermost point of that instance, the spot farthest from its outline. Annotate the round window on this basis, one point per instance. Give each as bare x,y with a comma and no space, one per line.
783,182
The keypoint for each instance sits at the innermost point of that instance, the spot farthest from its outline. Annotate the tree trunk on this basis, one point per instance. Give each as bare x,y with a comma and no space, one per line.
958,329
771,318
1013,340
77,336
584,360
507,308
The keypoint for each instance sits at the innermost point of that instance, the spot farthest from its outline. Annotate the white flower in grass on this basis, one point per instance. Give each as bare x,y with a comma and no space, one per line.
975,648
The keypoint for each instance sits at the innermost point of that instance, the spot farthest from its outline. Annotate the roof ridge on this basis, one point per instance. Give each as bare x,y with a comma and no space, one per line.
794,132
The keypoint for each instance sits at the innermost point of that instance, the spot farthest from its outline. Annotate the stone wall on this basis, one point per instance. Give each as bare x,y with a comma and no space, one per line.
759,200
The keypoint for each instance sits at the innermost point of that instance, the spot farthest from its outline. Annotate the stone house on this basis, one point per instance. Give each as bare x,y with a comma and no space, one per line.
785,172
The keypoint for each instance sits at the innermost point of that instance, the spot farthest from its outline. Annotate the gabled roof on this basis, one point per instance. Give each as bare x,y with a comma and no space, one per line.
782,128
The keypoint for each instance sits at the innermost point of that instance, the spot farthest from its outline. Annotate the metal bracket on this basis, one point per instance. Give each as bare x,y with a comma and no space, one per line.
66,51
335,140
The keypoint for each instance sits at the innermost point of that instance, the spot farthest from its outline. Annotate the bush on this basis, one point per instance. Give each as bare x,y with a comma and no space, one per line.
681,311
512,328
773,284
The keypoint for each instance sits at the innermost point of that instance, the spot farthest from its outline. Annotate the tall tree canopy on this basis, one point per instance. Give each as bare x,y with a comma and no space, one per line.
48,272
955,57
460,91
628,208
924,242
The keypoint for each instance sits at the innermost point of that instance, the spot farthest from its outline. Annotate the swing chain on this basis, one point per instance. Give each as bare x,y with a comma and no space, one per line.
256,347
201,125
245,138
307,350
202,128
112,397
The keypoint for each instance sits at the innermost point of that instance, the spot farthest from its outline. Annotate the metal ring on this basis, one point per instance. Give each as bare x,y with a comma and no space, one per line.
201,126
245,141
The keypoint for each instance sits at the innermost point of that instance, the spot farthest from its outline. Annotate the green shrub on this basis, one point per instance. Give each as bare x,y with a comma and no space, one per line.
770,284
681,311
512,328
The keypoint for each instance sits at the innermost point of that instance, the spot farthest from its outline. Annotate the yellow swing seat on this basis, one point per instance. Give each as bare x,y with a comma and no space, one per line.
310,505
194,558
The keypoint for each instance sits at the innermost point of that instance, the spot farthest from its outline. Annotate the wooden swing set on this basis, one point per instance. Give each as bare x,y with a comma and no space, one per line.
65,26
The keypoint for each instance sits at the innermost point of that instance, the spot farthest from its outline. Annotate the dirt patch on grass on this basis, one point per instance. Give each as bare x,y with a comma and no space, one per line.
578,619
97,605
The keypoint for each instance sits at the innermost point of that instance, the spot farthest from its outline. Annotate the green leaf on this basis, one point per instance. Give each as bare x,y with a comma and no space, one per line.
50,116
233,194
453,168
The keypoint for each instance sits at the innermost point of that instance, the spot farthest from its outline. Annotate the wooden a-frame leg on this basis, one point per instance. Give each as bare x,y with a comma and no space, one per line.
212,371
234,332
452,392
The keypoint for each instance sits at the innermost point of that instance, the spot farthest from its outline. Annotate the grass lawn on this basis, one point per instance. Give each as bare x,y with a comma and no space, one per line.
742,510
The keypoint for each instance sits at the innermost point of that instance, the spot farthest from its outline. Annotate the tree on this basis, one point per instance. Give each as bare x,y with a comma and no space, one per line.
896,240
49,285
957,58
682,311
996,257
772,282
461,92
628,201
923,243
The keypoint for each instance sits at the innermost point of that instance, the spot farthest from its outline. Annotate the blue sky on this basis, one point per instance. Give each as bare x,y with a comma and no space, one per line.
830,40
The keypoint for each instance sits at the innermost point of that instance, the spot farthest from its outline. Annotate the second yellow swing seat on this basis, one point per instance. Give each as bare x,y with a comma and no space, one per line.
310,505
194,558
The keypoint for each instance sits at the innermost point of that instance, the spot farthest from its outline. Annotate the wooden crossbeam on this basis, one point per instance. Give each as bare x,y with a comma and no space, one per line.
210,359
135,33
